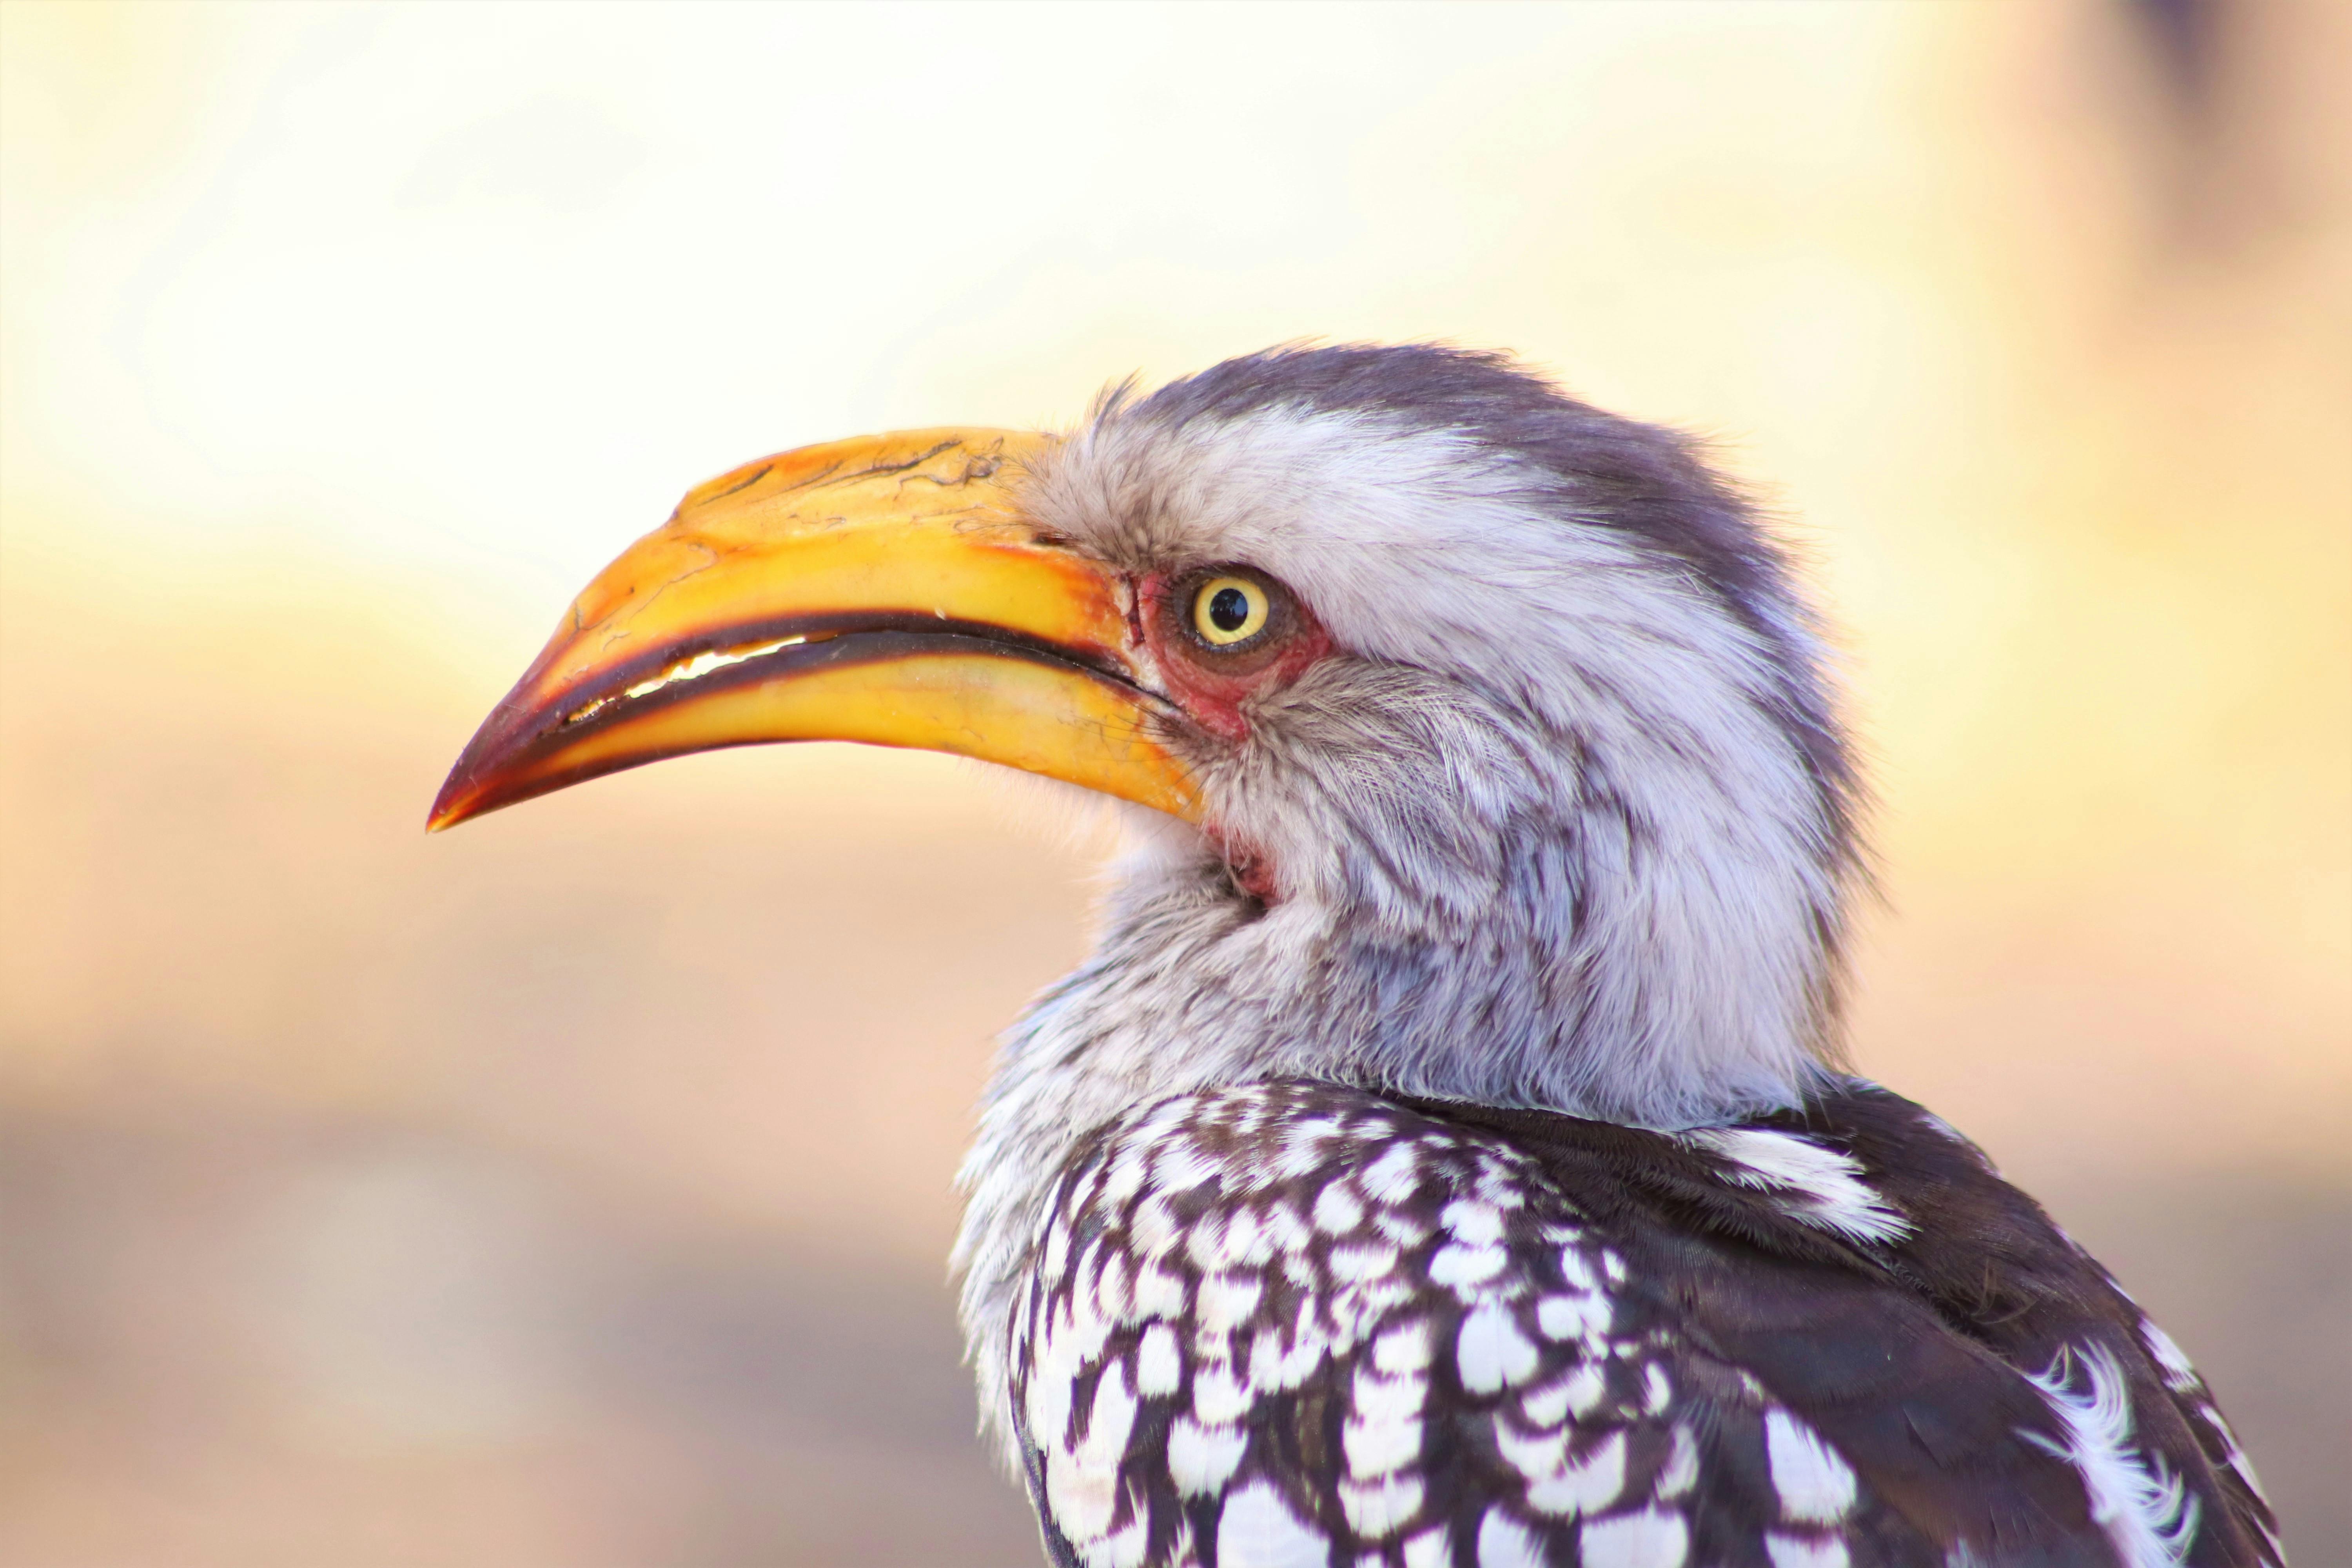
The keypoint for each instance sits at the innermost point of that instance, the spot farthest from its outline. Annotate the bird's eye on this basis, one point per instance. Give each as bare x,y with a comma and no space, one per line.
1230,611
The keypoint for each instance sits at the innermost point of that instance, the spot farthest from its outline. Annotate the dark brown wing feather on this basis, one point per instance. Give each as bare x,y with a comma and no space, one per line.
1369,1331
1908,1355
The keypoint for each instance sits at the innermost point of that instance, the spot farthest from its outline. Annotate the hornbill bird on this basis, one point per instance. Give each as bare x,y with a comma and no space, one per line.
1444,1157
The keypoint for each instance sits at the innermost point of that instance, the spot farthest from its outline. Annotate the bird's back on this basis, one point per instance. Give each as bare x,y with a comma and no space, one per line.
1289,1323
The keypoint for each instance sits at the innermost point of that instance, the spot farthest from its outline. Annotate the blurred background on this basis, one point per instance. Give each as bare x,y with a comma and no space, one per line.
573,1190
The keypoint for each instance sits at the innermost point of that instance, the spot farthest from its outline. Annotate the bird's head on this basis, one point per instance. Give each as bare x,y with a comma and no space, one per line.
1481,735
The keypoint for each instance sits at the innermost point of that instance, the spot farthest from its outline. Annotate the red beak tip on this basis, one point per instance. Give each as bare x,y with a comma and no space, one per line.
450,808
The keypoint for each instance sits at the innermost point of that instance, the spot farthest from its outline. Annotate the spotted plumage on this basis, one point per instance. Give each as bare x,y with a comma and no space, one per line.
1442,1157
1260,1269
1290,1324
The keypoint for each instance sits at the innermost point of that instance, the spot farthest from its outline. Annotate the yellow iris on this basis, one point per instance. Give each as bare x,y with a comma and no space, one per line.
1229,610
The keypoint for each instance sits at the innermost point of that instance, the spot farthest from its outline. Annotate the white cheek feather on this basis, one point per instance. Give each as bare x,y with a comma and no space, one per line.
1709,873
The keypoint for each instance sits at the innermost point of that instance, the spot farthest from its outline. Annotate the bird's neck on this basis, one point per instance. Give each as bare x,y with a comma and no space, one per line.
1195,985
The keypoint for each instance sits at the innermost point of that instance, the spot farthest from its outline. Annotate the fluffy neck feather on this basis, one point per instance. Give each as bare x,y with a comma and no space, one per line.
1567,828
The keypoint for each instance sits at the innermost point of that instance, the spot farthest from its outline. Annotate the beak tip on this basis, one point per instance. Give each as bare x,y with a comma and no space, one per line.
452,805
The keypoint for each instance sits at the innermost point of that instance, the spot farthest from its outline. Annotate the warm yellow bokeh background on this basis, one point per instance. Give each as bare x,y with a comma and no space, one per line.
572,1190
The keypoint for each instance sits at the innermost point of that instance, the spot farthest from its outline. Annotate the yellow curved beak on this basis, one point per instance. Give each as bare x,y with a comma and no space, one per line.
882,590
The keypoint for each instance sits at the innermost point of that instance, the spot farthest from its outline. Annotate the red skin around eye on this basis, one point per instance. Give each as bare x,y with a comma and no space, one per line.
1213,689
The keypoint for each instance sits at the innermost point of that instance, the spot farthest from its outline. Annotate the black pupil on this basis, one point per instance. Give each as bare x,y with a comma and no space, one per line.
1229,609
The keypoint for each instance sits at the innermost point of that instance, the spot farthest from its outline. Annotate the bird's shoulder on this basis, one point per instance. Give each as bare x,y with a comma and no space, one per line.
1295,1323
1870,1265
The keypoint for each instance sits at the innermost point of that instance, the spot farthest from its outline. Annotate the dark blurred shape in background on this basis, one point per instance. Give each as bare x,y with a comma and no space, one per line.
2184,37
574,1189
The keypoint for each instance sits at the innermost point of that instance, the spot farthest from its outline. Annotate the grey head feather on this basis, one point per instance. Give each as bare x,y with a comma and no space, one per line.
1649,483
1566,821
